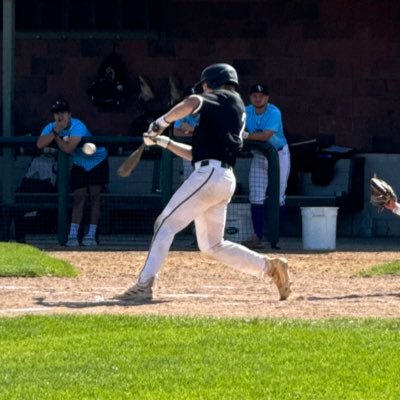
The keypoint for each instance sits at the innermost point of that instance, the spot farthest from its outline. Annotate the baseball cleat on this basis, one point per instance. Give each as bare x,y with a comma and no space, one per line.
137,292
88,241
278,271
72,242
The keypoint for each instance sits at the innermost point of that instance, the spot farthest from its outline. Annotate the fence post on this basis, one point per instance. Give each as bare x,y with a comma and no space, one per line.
63,179
166,166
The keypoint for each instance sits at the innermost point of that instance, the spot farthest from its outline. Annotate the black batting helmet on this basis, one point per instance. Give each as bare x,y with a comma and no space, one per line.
217,75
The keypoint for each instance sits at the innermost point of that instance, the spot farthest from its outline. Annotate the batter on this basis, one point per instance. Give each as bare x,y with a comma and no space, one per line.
204,196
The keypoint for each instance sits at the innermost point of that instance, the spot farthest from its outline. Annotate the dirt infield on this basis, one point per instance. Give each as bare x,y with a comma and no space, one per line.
325,285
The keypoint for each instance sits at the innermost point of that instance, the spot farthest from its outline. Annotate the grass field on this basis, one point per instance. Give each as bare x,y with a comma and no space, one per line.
115,357
153,357
28,261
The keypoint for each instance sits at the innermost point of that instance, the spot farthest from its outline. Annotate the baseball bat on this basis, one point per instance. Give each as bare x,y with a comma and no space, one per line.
131,162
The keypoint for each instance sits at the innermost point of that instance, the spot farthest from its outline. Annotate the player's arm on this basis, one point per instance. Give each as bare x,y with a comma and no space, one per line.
180,149
68,146
44,140
261,135
183,109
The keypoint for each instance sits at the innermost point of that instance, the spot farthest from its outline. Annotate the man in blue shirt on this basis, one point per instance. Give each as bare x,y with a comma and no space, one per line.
264,124
89,173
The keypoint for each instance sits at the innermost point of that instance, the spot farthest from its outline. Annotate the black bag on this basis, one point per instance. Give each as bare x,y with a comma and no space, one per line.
108,92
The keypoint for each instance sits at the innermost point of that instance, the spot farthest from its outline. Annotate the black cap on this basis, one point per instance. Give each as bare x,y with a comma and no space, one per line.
259,88
60,106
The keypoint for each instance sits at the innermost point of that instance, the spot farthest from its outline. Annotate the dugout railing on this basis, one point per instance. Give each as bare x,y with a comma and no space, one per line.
161,184
143,195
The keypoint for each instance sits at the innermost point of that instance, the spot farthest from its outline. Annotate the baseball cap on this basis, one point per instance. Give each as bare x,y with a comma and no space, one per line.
60,106
259,88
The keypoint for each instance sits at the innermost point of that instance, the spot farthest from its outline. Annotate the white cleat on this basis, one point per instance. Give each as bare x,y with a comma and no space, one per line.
277,270
137,292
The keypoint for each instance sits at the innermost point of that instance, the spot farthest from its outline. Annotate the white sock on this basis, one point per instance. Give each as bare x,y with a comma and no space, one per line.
92,231
74,230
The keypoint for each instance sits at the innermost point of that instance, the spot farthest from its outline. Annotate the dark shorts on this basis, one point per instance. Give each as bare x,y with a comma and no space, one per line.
81,178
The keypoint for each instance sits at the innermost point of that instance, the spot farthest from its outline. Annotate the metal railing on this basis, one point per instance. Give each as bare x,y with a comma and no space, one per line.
9,144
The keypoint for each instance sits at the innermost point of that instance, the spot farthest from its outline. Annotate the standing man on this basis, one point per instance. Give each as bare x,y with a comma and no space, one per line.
204,196
89,173
264,124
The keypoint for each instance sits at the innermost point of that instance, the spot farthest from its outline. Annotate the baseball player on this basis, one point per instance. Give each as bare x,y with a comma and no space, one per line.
204,196
264,124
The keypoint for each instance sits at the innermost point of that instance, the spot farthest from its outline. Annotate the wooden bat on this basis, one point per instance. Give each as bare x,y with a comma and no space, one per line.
131,162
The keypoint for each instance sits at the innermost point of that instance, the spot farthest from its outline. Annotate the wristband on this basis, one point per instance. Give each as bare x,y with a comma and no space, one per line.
163,141
162,123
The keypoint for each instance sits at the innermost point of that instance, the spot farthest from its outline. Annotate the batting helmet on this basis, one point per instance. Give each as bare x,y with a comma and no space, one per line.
217,75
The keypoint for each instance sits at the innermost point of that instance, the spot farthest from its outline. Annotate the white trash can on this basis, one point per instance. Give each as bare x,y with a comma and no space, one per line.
319,227
238,225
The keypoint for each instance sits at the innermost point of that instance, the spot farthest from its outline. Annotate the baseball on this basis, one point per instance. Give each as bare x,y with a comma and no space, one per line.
89,148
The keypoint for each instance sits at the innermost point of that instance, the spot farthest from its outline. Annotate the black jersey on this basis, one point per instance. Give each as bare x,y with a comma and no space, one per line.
218,134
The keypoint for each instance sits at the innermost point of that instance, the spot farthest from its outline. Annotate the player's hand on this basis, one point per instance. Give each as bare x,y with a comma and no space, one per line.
187,128
245,135
162,141
157,127
148,140
390,205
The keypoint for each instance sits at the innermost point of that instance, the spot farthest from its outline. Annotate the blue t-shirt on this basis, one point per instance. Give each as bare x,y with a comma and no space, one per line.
78,128
270,120
190,119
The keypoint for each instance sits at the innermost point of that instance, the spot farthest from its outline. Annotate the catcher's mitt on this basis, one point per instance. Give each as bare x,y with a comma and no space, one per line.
381,193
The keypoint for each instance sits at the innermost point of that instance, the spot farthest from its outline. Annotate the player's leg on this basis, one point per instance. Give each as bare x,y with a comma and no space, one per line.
97,178
258,183
79,198
210,228
193,197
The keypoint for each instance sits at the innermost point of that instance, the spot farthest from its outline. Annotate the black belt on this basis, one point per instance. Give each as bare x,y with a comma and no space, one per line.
281,148
204,163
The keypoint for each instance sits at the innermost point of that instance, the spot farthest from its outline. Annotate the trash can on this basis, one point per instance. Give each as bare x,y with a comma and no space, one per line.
319,227
238,225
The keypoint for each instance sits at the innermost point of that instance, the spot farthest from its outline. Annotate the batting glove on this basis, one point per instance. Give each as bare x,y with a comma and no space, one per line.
161,141
148,140
157,127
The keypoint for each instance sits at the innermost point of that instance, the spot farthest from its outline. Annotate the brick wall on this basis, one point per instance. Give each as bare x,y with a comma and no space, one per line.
333,67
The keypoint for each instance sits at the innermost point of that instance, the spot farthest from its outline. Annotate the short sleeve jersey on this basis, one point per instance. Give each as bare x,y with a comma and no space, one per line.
270,120
78,128
218,134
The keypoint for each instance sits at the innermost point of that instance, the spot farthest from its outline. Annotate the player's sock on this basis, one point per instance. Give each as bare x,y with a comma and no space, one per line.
92,231
257,216
73,233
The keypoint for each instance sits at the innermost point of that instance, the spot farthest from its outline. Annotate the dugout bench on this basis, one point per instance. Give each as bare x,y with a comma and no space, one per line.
151,185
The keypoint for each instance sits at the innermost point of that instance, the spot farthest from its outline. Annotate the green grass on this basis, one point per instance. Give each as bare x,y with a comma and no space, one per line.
24,260
390,268
125,357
